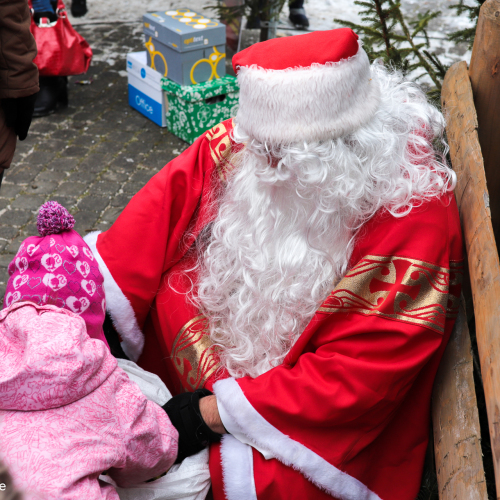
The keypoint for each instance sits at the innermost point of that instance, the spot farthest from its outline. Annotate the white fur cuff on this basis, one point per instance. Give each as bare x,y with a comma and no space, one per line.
288,451
118,306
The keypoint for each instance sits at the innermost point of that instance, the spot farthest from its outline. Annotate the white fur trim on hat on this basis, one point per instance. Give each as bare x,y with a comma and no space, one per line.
118,306
320,102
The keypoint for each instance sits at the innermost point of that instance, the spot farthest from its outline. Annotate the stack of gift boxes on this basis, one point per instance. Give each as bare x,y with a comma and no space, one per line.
180,80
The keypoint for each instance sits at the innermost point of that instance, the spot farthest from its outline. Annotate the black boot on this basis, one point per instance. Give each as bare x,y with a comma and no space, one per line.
50,16
78,8
53,90
298,15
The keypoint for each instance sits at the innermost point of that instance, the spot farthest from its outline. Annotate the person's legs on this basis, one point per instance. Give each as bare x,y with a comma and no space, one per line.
53,90
298,14
8,141
78,8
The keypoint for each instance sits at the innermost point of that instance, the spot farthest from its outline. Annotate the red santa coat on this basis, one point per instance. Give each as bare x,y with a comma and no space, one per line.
347,413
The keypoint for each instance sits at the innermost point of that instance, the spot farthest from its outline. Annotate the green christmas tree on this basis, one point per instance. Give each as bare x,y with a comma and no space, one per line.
387,35
466,35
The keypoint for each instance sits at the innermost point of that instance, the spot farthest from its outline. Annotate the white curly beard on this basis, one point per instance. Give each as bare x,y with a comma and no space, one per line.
284,232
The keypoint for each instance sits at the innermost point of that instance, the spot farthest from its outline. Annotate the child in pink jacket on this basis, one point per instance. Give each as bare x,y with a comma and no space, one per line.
67,412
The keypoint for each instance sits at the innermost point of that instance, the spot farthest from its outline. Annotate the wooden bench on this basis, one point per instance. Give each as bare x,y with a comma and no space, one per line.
475,157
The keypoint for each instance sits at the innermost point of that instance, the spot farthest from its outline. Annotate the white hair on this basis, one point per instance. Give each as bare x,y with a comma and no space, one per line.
286,222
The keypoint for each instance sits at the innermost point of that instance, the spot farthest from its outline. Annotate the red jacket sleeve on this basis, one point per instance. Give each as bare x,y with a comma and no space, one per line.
153,233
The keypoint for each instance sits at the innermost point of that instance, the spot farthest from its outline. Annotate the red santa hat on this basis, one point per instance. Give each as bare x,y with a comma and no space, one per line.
309,87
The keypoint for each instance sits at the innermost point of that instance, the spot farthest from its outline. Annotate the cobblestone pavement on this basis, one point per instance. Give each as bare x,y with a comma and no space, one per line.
92,157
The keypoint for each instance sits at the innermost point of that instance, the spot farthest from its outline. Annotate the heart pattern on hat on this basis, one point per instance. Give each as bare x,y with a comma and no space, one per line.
74,286
37,299
20,280
73,250
58,268
56,301
89,286
22,264
51,261
69,267
83,268
31,249
34,265
34,282
88,253
78,305
12,297
55,282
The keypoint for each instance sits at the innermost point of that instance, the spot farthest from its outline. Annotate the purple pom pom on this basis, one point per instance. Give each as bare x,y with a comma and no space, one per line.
53,218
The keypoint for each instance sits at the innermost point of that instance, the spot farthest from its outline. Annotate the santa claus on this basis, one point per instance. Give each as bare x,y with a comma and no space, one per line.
303,261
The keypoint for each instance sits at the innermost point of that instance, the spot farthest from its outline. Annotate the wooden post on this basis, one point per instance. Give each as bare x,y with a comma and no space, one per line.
455,419
484,75
484,266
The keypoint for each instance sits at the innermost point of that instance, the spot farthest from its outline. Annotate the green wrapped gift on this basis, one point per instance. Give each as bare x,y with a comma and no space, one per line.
194,109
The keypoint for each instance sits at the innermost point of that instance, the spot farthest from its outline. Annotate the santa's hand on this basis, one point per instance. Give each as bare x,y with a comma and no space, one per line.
184,413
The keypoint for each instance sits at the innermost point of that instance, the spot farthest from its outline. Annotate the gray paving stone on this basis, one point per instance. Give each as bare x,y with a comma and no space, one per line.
141,177
52,145
42,125
51,175
125,162
115,175
71,188
65,201
15,217
8,232
64,134
63,164
110,215
95,162
30,202
22,174
107,187
83,175
88,141
41,187
85,222
75,152
121,200
5,260
12,248
39,157
93,203
9,190
108,147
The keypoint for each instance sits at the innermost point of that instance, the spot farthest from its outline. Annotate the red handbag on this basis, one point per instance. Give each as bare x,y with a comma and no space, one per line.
61,50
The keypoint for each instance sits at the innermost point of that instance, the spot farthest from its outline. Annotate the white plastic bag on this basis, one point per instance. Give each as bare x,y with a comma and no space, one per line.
189,480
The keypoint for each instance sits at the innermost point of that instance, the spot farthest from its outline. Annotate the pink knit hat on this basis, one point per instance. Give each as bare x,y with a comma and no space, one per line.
58,268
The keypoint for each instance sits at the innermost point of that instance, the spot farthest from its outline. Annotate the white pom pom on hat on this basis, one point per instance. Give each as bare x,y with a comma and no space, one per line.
309,87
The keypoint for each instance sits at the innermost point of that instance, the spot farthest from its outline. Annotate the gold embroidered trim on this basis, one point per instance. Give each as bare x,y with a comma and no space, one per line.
193,354
400,288
220,147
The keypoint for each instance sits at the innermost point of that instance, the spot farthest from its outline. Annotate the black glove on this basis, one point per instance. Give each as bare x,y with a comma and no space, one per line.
18,113
184,413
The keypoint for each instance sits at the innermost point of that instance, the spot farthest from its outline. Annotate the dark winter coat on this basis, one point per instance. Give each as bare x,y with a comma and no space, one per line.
18,73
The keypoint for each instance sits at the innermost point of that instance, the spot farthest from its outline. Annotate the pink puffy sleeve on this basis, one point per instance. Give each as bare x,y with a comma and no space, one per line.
149,438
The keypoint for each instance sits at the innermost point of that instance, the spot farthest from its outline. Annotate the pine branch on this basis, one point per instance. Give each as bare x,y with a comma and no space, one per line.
382,17
417,52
